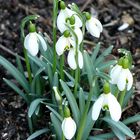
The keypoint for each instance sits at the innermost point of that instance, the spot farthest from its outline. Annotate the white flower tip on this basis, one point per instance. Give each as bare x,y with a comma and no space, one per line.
68,128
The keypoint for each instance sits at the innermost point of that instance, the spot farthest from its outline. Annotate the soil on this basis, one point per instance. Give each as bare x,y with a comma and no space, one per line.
112,14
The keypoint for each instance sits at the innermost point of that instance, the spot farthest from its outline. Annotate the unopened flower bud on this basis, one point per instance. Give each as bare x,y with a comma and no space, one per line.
106,88
32,27
66,33
120,61
66,112
88,16
72,20
125,64
62,5
57,95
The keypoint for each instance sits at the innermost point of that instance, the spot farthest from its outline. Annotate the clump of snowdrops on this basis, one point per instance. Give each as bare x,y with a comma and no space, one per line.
83,91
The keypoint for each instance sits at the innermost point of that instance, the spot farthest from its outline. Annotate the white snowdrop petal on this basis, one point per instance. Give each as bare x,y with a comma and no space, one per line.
98,24
61,20
42,42
94,27
79,34
122,80
61,44
93,30
114,107
114,74
31,43
71,59
129,79
97,107
80,59
68,128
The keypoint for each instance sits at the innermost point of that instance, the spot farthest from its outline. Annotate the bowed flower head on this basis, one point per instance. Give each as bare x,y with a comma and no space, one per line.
66,15
107,101
93,25
121,75
33,40
68,42
68,125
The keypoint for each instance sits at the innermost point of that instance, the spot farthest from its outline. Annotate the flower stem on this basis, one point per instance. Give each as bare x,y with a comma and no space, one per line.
61,66
122,95
27,65
83,118
55,11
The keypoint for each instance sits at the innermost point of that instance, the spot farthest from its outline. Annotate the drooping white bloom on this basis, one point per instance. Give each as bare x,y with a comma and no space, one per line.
32,42
68,127
72,60
94,27
109,102
64,14
122,77
64,43
69,43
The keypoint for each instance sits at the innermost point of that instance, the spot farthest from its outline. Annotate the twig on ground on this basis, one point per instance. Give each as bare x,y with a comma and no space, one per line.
133,4
85,5
10,52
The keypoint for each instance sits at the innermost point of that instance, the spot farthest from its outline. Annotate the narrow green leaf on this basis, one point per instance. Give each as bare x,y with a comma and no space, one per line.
88,67
34,104
55,79
122,127
15,73
50,73
101,57
118,133
106,65
102,136
54,112
19,64
89,125
95,52
132,119
81,101
127,97
72,101
38,133
16,89
57,126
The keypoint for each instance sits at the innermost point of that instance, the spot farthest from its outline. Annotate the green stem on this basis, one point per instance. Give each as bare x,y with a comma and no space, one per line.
122,95
76,81
83,118
28,65
116,92
55,11
61,67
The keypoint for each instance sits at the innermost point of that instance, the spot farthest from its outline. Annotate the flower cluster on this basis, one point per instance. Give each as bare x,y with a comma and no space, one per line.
68,17
122,77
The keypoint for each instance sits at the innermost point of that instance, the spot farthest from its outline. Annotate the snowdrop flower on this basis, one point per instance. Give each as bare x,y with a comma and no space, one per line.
93,25
121,75
68,125
33,40
64,17
68,42
107,101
